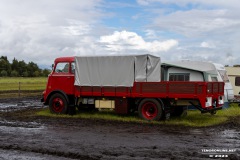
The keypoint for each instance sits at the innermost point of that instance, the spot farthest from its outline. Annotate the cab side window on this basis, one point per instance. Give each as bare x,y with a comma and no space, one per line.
62,67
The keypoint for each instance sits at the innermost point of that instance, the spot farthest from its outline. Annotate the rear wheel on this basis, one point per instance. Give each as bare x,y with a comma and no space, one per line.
58,104
150,109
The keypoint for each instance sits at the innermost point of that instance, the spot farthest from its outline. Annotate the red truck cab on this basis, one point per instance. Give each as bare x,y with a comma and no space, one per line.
60,80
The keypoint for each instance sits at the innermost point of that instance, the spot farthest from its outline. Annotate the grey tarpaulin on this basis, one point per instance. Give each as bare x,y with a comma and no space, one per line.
116,70
206,67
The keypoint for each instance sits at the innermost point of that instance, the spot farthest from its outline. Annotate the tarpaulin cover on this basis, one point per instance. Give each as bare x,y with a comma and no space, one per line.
206,67
116,70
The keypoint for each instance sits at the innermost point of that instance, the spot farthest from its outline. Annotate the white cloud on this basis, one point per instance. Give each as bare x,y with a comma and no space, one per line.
143,2
124,40
151,34
206,29
76,28
219,3
40,31
197,22
207,45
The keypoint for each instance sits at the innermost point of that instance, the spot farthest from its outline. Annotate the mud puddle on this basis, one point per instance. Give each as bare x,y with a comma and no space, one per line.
22,155
7,105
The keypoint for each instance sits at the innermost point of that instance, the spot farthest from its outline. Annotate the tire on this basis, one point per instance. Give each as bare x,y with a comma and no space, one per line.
58,104
150,109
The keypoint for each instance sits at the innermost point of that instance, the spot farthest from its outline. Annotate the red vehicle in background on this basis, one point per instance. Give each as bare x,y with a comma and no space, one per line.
126,84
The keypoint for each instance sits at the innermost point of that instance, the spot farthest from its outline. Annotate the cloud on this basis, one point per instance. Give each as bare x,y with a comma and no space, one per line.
76,28
124,40
40,31
205,29
207,45
197,22
219,3
143,2
150,34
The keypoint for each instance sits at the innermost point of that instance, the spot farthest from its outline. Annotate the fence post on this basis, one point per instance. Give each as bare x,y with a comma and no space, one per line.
19,89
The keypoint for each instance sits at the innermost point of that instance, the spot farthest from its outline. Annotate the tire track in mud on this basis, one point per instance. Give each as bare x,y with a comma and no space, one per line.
49,152
137,153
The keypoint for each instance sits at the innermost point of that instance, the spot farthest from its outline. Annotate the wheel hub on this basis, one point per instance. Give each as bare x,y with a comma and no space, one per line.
149,110
58,105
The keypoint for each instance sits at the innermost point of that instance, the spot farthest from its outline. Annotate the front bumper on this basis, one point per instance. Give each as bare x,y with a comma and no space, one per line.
42,99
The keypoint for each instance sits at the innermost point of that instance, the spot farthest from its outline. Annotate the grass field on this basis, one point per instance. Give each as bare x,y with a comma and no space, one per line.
193,119
12,87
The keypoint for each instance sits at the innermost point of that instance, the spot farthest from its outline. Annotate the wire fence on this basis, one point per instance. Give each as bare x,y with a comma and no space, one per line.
21,89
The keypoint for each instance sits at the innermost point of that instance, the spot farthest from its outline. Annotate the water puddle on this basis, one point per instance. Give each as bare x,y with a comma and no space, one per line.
19,124
197,132
24,128
18,105
231,134
7,105
19,130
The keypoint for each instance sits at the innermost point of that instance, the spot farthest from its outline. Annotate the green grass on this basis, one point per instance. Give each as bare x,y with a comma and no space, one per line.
193,118
22,79
9,86
105,115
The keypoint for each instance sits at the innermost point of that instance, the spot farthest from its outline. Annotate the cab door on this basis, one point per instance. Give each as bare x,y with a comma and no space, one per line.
63,77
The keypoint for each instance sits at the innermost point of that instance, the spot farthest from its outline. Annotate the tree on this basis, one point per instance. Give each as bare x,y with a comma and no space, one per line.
5,65
31,68
14,73
36,74
3,73
15,65
45,72
25,74
22,68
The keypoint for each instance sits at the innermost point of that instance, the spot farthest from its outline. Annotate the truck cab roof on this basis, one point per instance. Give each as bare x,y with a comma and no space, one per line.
64,59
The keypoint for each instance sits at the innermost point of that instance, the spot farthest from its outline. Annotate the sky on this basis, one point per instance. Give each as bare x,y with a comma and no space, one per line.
40,31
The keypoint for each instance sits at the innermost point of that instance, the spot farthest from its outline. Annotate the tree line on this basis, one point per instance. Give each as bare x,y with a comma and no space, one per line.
20,69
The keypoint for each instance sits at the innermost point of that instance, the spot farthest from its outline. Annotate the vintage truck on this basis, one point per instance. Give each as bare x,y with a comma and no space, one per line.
125,84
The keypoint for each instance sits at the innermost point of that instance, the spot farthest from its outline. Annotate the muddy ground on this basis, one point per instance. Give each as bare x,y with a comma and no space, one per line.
26,136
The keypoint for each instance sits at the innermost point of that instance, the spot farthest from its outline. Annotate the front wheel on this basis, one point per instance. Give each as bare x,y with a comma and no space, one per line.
58,104
150,109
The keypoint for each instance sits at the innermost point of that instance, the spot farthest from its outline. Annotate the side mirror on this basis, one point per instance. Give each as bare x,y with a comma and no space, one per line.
52,66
